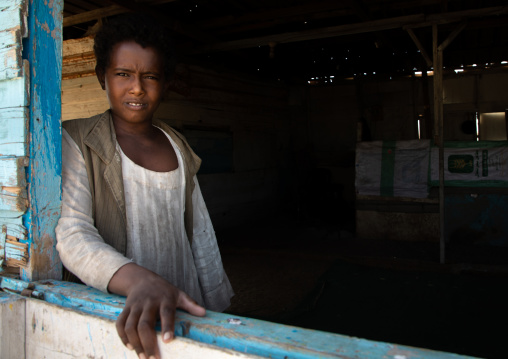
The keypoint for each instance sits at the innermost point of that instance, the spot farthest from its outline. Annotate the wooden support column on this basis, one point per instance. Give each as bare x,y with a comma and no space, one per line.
437,51
44,52
438,131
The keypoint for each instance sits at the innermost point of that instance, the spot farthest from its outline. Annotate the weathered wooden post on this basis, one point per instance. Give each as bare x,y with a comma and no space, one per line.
30,139
44,52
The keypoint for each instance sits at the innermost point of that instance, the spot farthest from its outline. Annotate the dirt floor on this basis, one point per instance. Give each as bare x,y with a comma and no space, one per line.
318,276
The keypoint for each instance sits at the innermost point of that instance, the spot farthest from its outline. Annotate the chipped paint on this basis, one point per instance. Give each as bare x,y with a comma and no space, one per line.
254,337
14,100
3,237
44,173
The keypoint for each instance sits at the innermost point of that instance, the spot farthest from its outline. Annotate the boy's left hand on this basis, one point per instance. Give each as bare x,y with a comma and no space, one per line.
149,297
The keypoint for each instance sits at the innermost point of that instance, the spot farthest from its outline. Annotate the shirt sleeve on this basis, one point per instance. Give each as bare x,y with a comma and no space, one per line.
214,282
81,248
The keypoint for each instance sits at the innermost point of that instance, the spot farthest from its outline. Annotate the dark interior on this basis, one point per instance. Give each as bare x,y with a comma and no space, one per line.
294,255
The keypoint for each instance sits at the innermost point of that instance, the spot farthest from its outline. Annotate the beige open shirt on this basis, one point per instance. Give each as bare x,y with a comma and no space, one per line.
156,238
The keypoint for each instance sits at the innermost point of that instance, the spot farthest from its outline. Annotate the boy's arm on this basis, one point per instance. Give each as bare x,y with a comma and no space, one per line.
81,248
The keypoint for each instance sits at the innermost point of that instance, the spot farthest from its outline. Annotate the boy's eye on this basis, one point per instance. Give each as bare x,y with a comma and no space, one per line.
150,77
122,74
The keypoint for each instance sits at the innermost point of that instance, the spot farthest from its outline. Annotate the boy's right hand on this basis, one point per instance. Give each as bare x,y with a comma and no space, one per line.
149,298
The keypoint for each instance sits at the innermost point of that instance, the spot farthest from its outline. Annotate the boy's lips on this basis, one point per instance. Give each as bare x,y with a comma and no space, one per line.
135,104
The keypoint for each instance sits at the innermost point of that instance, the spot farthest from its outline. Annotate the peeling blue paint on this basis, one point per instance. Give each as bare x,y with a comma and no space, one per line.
251,336
44,52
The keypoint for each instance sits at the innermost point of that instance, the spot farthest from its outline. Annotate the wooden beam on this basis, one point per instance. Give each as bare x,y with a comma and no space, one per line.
314,34
452,36
458,16
420,47
93,15
103,12
406,22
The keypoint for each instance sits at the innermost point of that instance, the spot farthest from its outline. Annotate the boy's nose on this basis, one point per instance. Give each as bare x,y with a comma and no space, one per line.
136,86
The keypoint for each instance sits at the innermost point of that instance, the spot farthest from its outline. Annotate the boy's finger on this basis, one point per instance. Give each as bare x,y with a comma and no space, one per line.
147,335
131,330
120,327
167,315
188,304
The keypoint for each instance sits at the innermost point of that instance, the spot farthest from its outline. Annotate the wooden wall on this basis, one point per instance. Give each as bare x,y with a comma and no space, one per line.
14,124
253,113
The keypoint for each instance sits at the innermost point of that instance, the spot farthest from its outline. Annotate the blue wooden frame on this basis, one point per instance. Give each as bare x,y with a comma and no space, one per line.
43,49
242,334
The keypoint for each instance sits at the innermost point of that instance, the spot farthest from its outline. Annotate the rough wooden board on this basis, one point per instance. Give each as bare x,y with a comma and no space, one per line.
9,174
13,194
61,333
244,335
77,47
13,133
11,65
12,206
13,15
13,92
12,326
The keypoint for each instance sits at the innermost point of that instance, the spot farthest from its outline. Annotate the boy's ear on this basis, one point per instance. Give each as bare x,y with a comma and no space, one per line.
100,77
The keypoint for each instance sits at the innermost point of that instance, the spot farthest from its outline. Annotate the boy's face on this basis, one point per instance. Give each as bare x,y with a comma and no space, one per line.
134,82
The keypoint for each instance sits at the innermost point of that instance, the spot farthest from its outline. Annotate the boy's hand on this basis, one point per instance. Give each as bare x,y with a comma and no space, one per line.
149,297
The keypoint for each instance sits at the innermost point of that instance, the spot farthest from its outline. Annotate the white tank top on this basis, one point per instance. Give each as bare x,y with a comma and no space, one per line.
156,237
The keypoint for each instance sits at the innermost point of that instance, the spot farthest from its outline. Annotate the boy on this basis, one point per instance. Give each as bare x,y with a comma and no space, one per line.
133,219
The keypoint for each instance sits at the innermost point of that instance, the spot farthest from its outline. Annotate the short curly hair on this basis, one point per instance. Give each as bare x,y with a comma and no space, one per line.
140,28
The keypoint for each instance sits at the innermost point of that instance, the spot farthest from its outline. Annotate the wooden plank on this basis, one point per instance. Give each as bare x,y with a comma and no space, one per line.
102,13
13,132
60,333
13,15
12,229
77,335
15,227
77,47
420,47
81,68
13,194
93,15
12,206
14,93
11,65
16,253
12,172
44,52
12,326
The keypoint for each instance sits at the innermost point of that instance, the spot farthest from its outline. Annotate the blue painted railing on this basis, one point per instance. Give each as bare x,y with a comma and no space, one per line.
237,333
